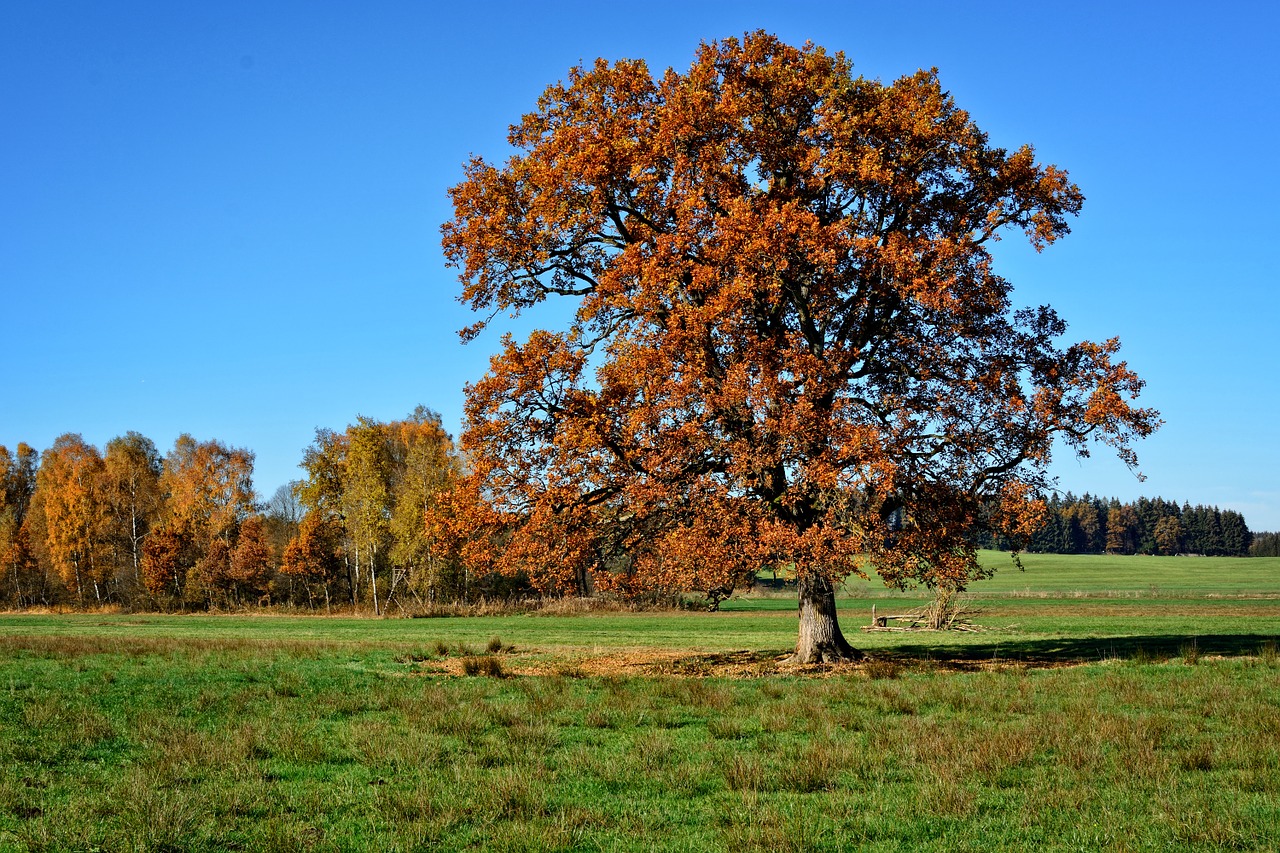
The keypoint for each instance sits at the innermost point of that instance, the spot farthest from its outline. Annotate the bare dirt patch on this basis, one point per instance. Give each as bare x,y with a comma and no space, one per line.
744,664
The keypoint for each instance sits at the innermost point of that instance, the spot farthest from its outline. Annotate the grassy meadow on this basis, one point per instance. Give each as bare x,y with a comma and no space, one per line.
1106,703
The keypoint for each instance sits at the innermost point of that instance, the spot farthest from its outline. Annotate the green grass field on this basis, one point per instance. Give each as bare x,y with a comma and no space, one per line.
1108,703
1141,575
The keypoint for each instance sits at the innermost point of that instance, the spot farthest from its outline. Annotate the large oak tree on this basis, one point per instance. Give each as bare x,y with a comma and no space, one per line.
789,345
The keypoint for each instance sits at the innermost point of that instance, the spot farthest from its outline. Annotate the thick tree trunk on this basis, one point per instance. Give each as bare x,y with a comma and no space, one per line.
820,638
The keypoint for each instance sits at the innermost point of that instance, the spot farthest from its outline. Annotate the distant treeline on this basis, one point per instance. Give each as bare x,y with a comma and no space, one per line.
1265,545
129,526
1094,525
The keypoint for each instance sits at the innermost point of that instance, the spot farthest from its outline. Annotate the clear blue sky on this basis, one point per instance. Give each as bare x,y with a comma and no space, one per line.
222,218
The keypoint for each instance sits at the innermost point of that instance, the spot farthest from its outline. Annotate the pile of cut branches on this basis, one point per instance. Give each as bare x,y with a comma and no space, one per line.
949,611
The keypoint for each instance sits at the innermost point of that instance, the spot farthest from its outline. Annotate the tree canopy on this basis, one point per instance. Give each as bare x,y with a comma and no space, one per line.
789,344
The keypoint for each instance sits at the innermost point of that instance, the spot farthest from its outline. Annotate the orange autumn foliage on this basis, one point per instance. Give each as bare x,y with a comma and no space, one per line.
251,564
165,559
789,347
312,555
208,488
70,500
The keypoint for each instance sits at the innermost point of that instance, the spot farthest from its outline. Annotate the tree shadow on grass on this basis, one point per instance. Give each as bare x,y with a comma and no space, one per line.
934,654
1071,651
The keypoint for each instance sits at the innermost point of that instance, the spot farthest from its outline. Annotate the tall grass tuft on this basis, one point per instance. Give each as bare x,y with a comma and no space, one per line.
1190,653
744,773
486,665
814,768
1267,653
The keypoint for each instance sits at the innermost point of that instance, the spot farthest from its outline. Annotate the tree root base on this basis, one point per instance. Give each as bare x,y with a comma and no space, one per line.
827,655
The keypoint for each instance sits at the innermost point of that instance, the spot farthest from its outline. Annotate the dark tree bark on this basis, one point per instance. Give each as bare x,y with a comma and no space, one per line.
821,640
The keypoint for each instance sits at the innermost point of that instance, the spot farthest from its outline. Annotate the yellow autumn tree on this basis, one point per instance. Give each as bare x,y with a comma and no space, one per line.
208,489
134,502
20,576
70,495
375,481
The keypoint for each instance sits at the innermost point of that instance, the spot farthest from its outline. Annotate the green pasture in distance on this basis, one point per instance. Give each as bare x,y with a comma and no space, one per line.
1108,573
1066,575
